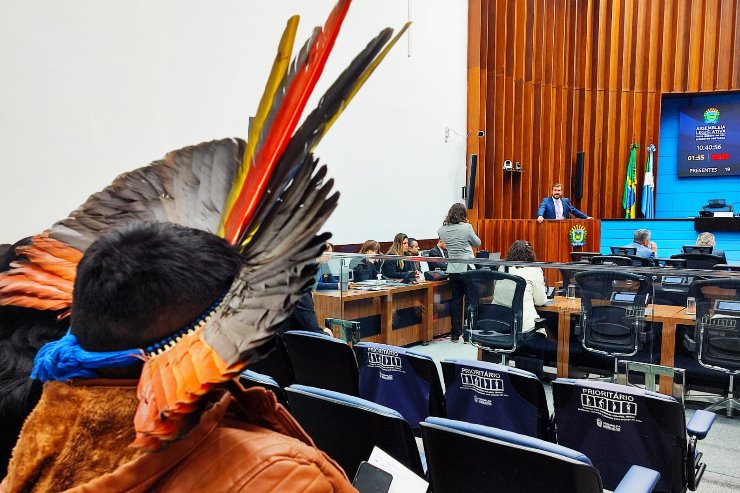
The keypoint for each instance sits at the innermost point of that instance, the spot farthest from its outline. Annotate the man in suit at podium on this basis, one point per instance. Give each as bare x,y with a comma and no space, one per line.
557,206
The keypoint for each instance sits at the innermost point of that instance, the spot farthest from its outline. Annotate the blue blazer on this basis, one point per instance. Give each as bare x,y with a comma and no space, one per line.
547,209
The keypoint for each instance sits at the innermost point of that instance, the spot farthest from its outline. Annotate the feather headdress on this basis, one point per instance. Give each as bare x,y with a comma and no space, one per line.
268,196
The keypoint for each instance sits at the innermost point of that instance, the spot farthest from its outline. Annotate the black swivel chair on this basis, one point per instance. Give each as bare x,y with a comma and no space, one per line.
470,458
621,260
495,311
319,360
699,260
583,257
716,339
612,313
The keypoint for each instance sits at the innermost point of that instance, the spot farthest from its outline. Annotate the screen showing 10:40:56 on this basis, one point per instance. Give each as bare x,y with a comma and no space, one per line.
709,140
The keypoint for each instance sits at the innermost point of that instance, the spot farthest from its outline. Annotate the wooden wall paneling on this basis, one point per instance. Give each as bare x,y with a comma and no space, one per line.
668,51
696,42
709,55
736,49
487,176
681,66
654,50
728,22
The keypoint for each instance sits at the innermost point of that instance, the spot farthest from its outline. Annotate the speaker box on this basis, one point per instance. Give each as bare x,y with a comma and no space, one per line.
577,185
472,167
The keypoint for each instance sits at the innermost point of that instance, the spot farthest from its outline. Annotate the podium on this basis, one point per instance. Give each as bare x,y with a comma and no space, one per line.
550,238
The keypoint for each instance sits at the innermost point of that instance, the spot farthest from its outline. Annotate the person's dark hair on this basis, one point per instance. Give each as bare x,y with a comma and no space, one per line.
22,332
139,284
370,245
457,214
521,251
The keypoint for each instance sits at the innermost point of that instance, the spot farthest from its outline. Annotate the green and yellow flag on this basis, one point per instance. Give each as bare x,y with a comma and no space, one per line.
630,185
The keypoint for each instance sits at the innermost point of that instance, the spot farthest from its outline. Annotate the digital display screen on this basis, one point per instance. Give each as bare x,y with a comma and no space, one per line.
624,297
674,280
709,140
728,306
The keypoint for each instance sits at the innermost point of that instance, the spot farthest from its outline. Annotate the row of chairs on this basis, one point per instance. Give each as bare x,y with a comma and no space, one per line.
496,432
626,256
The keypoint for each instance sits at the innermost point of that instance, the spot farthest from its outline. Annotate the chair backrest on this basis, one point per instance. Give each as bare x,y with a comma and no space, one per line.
621,250
707,249
495,308
622,260
618,426
638,261
717,323
672,290
699,260
347,428
612,310
319,360
249,379
679,263
400,379
583,256
495,395
276,363
464,457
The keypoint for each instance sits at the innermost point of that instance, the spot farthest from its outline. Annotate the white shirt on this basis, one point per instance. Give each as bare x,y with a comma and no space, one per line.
535,294
558,208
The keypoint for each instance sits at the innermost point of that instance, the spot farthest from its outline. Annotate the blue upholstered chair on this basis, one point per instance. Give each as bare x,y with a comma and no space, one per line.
400,379
347,428
495,395
618,426
319,360
464,457
249,379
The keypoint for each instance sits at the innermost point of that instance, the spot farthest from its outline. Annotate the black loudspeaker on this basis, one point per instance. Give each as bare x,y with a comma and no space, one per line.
472,167
577,188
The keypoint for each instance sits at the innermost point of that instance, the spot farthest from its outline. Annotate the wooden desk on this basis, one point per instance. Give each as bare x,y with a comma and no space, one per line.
422,298
667,315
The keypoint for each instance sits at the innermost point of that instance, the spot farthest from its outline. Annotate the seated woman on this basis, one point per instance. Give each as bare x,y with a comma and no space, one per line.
366,268
536,292
398,269
325,280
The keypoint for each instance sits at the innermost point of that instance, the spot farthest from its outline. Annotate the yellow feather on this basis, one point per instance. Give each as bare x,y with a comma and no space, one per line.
277,74
361,80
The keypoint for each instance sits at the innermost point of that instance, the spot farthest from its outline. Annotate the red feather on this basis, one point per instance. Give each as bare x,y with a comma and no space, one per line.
285,123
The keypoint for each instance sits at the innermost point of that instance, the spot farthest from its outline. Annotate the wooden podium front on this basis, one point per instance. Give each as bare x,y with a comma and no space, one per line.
549,238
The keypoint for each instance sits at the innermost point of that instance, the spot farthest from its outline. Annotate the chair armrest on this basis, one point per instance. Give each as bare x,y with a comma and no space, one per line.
638,480
700,424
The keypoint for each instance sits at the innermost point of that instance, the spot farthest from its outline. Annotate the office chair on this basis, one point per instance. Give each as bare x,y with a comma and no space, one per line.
319,360
567,277
678,263
400,379
699,260
469,458
672,290
249,379
612,313
705,249
583,257
716,339
716,205
495,395
276,364
618,426
620,250
347,428
621,260
495,306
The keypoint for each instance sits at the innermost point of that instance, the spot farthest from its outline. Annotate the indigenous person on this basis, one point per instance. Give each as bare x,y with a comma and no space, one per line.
557,207
136,289
366,268
459,237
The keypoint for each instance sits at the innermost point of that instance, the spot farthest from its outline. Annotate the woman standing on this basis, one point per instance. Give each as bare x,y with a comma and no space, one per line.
459,237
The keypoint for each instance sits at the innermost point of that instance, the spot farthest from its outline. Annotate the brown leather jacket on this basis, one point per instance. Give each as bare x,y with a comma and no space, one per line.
76,440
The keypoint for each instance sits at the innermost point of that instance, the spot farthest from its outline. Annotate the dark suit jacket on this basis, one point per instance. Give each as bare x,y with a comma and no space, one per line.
436,252
547,209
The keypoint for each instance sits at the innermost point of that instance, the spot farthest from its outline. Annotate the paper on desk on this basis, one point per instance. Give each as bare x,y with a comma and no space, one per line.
404,480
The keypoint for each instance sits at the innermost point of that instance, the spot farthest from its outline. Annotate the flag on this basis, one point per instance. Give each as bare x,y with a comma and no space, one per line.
648,186
630,184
